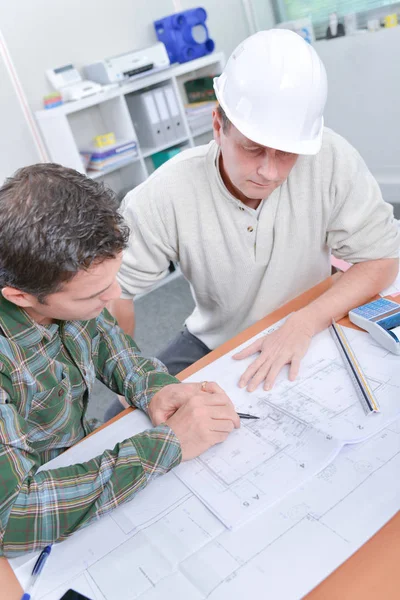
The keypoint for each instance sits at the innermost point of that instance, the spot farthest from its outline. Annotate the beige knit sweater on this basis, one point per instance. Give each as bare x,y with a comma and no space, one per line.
243,265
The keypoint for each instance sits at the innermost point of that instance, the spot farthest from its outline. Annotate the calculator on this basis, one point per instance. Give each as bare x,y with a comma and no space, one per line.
381,318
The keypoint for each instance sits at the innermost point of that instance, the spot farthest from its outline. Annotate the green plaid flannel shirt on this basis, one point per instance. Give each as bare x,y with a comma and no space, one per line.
46,376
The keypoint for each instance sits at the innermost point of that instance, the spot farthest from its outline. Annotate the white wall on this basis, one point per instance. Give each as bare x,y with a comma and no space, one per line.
226,22
263,14
41,34
17,147
48,33
364,99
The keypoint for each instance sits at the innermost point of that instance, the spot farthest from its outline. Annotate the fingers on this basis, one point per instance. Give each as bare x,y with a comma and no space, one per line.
221,426
189,389
273,373
216,399
224,414
268,371
258,377
217,406
294,368
212,388
251,370
252,349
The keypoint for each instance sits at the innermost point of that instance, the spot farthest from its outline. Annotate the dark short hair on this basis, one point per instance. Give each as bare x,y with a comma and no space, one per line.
225,121
54,222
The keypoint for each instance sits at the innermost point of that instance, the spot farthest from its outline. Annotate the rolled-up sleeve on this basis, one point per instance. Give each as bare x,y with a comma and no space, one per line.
39,508
122,367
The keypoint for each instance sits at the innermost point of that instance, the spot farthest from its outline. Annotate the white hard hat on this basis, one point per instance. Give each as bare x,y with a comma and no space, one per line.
273,89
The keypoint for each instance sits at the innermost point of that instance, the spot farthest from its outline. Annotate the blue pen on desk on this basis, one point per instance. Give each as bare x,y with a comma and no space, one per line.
37,569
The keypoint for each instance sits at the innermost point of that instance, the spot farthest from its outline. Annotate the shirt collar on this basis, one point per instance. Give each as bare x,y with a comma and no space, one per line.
213,157
20,327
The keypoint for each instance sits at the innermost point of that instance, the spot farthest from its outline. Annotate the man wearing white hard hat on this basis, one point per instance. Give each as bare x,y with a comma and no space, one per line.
254,216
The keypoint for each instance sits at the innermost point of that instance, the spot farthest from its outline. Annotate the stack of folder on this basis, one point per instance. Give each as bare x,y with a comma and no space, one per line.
156,117
199,114
101,159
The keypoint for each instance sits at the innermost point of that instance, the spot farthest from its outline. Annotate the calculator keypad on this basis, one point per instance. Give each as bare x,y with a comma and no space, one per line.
376,308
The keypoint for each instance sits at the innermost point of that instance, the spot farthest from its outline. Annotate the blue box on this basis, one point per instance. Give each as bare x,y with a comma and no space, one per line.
185,35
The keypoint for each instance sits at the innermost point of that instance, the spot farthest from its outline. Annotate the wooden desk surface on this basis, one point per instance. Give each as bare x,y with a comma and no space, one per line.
371,573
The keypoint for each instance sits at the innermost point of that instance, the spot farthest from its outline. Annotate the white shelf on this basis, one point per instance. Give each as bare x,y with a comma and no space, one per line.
96,174
142,80
73,125
199,63
149,151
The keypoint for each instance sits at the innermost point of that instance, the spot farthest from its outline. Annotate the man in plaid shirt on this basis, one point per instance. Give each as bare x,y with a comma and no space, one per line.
61,241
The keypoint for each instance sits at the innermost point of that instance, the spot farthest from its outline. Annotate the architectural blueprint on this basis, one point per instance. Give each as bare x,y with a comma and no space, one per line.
166,545
302,425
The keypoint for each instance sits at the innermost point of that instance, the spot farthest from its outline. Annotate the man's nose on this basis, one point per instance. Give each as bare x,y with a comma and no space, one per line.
268,168
112,293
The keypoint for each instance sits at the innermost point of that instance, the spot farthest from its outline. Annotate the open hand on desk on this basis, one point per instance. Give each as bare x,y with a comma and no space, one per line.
286,345
171,397
203,421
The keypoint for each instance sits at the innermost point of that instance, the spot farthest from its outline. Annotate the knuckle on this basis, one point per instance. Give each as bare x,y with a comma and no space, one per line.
196,401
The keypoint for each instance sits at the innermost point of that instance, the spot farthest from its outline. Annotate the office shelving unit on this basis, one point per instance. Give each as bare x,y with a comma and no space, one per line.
71,127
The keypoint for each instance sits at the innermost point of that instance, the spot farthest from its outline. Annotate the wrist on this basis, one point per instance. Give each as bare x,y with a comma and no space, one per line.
309,320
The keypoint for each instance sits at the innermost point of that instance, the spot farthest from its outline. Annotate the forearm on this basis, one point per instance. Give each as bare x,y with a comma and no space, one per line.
122,368
135,377
353,288
52,504
124,312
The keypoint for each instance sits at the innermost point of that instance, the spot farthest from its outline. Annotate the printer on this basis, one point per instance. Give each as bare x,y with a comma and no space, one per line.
124,67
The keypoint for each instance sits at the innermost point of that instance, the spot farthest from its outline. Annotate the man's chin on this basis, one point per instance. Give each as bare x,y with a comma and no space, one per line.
256,191
93,315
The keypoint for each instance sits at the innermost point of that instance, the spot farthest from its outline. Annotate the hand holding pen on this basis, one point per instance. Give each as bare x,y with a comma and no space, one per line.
240,415
37,569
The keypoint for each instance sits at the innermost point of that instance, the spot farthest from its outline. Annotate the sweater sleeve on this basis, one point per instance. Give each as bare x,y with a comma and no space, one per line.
153,240
362,226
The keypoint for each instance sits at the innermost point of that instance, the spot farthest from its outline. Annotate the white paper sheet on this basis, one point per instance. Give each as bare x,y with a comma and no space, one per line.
186,552
166,544
302,426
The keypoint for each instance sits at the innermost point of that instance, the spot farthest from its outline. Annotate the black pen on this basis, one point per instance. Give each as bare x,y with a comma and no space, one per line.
246,416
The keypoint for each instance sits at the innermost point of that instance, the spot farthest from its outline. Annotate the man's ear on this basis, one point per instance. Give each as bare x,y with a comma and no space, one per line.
217,126
17,297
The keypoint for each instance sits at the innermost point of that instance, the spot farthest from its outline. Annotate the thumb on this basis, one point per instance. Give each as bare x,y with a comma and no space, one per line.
252,349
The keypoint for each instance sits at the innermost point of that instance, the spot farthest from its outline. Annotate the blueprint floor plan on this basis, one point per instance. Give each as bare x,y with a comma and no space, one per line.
166,544
302,425
322,504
